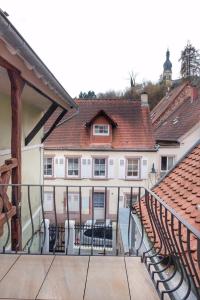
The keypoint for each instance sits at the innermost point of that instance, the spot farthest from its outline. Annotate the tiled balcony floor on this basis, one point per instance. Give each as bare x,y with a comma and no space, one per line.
74,278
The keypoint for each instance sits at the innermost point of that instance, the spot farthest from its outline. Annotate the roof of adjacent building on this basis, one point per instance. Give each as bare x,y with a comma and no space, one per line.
176,114
181,121
133,130
162,106
180,189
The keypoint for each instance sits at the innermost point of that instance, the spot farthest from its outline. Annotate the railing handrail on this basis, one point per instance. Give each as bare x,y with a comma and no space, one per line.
169,208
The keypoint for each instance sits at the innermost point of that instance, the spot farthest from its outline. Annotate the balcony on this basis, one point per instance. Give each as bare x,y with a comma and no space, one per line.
101,245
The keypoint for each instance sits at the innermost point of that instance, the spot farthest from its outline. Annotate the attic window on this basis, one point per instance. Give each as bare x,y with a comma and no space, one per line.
101,129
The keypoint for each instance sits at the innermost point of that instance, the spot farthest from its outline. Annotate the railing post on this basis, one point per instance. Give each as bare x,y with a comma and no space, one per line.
46,242
114,240
69,240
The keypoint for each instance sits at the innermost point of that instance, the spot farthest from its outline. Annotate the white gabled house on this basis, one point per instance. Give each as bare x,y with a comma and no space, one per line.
109,143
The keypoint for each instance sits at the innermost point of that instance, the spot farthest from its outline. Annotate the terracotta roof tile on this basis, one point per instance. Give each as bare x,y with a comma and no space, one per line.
165,102
133,131
184,117
183,196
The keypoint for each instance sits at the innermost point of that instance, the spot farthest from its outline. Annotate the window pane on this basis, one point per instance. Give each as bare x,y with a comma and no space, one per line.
101,129
99,167
98,200
170,162
164,163
73,167
48,166
132,167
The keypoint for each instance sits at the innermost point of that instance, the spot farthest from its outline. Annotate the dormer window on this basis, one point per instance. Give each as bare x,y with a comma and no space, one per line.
101,129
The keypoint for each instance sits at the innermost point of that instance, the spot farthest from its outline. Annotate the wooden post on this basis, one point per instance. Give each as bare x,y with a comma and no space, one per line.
17,85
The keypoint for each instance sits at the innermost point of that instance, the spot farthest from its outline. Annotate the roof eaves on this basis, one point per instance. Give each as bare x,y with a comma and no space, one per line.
100,149
15,39
101,113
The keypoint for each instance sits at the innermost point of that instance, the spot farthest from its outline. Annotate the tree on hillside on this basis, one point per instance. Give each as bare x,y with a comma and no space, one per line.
190,62
88,95
110,95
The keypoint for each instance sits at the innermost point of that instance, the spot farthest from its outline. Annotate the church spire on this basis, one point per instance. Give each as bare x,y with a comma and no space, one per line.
167,69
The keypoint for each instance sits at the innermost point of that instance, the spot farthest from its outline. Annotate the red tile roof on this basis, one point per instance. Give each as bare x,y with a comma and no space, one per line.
160,110
184,118
180,189
176,113
133,131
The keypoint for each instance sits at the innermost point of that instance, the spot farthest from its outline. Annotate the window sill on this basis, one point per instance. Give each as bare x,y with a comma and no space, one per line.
49,178
133,179
96,178
72,178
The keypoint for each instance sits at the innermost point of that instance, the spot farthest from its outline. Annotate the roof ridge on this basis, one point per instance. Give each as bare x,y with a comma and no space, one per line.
106,99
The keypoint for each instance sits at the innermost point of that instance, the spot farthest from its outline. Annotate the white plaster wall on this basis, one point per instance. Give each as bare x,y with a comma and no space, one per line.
32,158
115,182
186,143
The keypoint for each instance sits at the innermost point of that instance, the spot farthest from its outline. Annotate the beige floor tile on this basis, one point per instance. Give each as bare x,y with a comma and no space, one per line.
25,278
66,279
107,279
141,286
6,262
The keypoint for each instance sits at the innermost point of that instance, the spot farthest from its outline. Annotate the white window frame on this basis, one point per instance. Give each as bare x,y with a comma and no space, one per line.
52,164
106,166
101,133
138,168
67,169
167,156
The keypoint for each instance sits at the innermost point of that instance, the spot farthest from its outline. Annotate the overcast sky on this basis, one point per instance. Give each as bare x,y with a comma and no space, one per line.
95,44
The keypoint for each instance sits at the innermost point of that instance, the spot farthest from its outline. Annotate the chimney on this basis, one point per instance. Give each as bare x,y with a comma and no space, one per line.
144,99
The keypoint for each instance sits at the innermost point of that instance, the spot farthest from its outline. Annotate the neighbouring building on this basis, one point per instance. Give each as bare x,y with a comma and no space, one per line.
176,123
109,143
29,94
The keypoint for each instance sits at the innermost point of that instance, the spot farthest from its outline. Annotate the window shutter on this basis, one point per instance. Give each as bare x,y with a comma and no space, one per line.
59,166
111,166
85,204
122,168
144,168
86,167
48,202
89,162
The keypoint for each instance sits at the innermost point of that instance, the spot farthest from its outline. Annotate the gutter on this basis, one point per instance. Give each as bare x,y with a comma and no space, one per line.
96,149
20,47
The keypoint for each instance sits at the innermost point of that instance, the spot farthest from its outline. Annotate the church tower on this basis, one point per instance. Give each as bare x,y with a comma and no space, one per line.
167,70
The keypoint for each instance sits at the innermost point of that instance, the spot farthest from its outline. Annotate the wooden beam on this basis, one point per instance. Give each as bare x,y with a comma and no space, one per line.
59,118
17,85
4,64
41,123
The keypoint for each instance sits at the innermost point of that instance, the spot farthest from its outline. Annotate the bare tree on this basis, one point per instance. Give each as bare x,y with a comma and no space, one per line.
132,77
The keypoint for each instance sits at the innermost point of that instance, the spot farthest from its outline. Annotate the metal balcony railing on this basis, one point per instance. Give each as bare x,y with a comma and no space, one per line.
99,220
